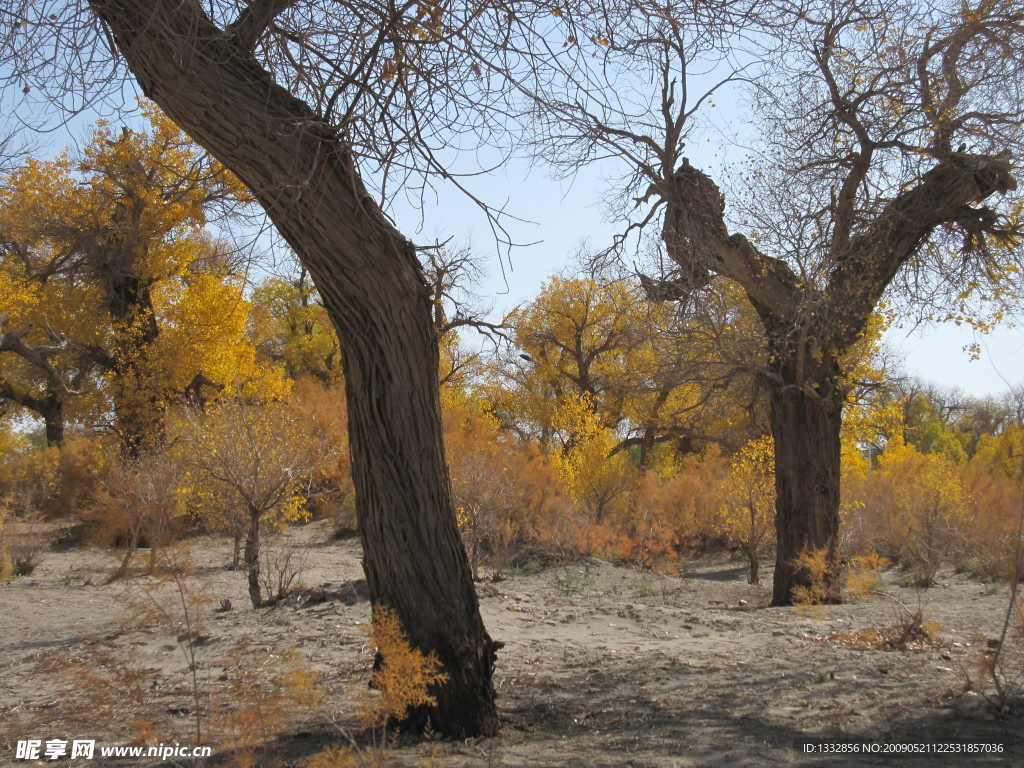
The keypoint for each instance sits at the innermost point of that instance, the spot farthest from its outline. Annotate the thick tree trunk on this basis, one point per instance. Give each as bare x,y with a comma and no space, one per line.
806,427
54,429
373,288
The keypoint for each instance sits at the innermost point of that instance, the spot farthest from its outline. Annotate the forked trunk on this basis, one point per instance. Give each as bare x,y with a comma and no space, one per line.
806,431
372,286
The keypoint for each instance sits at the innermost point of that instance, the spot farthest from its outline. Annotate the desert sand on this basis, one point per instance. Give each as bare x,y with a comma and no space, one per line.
603,665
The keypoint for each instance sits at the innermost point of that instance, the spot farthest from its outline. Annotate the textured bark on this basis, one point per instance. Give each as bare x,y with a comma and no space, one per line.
252,558
373,288
806,428
53,420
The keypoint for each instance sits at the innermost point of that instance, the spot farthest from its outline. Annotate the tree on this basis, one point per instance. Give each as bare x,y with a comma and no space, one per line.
106,251
750,505
884,169
303,101
648,375
294,328
248,465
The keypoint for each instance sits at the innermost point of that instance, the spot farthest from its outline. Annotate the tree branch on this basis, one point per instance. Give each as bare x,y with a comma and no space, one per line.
253,21
944,196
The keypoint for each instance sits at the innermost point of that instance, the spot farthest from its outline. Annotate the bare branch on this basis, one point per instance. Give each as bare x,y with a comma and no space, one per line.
254,19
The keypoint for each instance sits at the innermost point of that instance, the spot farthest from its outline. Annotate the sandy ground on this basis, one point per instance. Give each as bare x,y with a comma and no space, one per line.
602,666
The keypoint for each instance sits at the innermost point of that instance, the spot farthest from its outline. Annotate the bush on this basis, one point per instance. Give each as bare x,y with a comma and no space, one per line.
55,482
137,504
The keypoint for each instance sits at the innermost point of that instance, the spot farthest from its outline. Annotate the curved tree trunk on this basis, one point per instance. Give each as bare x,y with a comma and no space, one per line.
371,283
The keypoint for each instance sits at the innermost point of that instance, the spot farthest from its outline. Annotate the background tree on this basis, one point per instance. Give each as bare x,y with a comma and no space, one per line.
883,169
248,465
650,376
105,253
750,503
294,329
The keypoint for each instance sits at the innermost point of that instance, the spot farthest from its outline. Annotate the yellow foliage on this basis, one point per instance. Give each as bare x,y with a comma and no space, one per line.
749,509
292,324
403,678
1002,453
864,572
643,372
815,566
596,479
110,251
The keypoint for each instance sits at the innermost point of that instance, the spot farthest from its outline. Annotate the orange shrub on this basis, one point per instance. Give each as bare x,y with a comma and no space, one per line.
137,504
330,492
506,494
55,482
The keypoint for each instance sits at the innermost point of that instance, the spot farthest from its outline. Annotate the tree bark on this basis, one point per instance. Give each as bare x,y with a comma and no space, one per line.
53,420
252,558
806,428
373,288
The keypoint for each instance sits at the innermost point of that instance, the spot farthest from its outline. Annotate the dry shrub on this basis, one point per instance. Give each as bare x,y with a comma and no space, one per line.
105,686
26,541
54,482
990,523
1002,665
913,512
281,568
815,567
863,577
924,511
137,504
689,499
507,494
239,699
670,512
914,634
258,694
330,492
400,683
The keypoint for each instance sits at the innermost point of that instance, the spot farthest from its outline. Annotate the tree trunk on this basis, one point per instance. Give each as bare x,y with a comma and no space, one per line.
755,566
373,288
236,551
414,559
806,431
252,558
53,420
